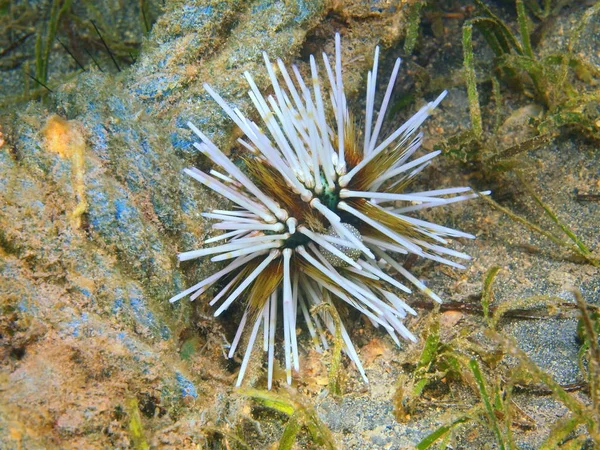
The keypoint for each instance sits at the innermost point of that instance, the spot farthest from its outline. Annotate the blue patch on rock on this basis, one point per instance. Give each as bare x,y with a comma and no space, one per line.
187,387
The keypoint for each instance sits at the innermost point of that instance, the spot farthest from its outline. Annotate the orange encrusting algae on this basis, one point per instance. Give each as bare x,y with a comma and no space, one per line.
66,138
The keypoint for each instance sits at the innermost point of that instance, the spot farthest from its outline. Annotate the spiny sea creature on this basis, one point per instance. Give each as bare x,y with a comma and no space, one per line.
318,214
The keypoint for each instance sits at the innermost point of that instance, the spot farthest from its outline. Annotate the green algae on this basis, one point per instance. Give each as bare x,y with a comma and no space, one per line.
335,368
412,29
136,427
554,78
487,294
485,369
300,415
495,389
474,109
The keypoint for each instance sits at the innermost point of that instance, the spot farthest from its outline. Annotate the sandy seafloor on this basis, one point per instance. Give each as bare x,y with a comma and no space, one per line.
93,356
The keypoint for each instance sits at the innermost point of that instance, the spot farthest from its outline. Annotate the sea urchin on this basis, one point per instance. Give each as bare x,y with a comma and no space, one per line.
318,214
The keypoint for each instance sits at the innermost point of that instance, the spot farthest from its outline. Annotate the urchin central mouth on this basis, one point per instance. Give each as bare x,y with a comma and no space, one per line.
300,234
330,198
296,240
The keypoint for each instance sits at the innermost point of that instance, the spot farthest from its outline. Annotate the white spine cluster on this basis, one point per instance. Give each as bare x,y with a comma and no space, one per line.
308,153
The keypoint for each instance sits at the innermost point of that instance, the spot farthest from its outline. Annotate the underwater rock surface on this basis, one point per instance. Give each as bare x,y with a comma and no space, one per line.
94,208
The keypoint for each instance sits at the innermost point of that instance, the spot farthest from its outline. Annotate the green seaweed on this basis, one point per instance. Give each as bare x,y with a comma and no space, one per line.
524,29
581,413
537,306
552,77
412,30
69,23
301,414
494,389
487,294
559,433
474,108
437,361
591,326
440,432
136,428
44,43
335,372
580,251
188,348
489,409
522,147
498,104
583,250
288,437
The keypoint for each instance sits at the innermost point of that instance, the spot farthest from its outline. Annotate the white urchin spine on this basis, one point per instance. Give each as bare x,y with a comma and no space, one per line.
344,205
